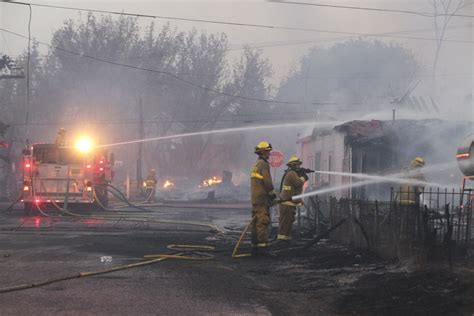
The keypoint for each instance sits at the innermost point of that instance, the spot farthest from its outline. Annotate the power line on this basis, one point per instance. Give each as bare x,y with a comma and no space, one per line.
163,72
424,14
155,71
329,39
225,118
240,24
367,76
242,120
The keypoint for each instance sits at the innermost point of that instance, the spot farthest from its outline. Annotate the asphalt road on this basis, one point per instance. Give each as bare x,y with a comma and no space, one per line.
319,281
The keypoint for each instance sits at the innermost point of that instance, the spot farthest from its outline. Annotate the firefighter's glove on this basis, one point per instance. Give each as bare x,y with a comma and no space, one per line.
306,170
277,201
272,195
302,173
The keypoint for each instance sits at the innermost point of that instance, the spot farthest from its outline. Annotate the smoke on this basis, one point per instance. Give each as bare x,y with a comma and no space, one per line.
340,80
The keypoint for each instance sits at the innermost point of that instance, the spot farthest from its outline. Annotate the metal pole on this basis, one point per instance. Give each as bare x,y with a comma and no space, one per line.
28,75
127,184
67,189
141,135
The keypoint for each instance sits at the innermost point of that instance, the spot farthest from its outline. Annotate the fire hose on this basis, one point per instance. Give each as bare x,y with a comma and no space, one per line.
14,203
118,216
237,245
121,217
185,252
149,195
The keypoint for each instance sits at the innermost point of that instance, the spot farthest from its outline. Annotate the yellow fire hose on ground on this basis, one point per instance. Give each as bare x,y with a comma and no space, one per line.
186,252
237,245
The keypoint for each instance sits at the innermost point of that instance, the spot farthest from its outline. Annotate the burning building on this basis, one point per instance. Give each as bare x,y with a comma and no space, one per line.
380,147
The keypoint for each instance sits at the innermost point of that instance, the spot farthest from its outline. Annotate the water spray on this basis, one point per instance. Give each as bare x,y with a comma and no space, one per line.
226,130
372,179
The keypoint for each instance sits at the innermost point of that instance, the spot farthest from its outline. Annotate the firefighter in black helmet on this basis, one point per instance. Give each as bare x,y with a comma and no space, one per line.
262,195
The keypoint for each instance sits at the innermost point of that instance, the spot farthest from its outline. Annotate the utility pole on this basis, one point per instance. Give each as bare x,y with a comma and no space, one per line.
141,135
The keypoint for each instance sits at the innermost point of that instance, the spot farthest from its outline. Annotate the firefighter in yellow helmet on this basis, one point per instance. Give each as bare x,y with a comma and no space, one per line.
150,186
262,195
61,137
410,192
291,184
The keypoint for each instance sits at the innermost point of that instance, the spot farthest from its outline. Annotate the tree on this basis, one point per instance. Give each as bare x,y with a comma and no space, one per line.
5,62
179,87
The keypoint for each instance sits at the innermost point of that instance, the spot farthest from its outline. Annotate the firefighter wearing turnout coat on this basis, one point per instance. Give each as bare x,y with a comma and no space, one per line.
150,186
262,196
291,185
410,192
61,137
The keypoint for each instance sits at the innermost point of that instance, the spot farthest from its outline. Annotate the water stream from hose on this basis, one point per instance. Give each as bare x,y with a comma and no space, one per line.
400,178
226,130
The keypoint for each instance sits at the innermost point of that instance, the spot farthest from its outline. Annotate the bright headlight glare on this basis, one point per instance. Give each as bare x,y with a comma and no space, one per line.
84,145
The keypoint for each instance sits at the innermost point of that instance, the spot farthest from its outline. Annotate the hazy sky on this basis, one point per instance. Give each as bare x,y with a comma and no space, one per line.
456,59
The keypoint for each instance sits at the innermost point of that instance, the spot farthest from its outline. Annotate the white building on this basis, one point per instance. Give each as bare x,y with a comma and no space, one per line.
380,147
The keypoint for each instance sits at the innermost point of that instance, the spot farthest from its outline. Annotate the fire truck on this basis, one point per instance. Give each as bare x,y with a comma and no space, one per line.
65,175
465,158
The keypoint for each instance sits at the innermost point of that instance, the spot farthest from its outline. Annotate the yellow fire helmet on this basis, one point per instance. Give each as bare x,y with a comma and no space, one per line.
294,160
417,162
263,146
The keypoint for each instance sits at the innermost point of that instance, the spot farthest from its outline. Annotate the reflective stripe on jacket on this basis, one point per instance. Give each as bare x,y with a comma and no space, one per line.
292,185
261,184
409,192
150,181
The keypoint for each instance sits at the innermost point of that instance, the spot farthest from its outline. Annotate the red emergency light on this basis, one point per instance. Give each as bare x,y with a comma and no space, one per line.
27,165
463,155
